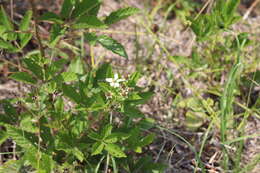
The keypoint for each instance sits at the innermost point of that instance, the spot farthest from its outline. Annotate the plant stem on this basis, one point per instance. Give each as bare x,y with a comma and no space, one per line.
36,29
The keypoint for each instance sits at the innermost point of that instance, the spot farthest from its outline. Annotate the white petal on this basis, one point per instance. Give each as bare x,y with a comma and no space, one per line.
116,85
115,76
109,79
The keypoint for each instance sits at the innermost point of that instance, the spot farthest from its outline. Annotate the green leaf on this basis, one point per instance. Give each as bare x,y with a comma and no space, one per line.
95,136
3,137
49,16
147,140
231,7
39,160
112,45
59,105
194,120
66,9
11,166
120,14
133,79
3,33
4,19
6,45
71,93
132,112
98,103
79,155
146,123
22,138
113,138
55,67
34,67
10,116
97,148
139,98
28,125
24,26
76,66
86,7
88,22
25,23
24,39
104,71
69,76
106,130
56,33
91,38
23,77
9,110
114,150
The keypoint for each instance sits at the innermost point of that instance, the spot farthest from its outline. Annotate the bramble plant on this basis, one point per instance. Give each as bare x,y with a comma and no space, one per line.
75,117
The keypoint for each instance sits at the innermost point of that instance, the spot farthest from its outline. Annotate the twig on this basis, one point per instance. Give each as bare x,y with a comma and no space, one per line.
11,63
36,23
250,9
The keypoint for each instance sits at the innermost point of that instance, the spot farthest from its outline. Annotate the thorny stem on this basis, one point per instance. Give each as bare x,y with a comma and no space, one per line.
36,23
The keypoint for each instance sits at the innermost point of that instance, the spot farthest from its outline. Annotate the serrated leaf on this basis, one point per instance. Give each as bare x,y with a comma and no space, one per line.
97,148
39,160
11,166
23,77
106,130
104,71
76,66
26,124
10,116
88,22
3,137
55,67
6,45
114,150
120,14
22,138
24,39
132,112
71,93
139,98
133,79
9,109
4,19
69,76
79,155
112,45
147,140
49,16
113,138
91,38
3,33
34,67
85,7
56,33
24,26
66,9
25,23
95,136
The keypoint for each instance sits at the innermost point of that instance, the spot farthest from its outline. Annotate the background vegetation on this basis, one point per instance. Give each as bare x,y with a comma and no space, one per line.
129,86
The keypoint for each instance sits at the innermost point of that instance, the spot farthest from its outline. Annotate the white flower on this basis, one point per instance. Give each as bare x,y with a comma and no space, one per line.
114,82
